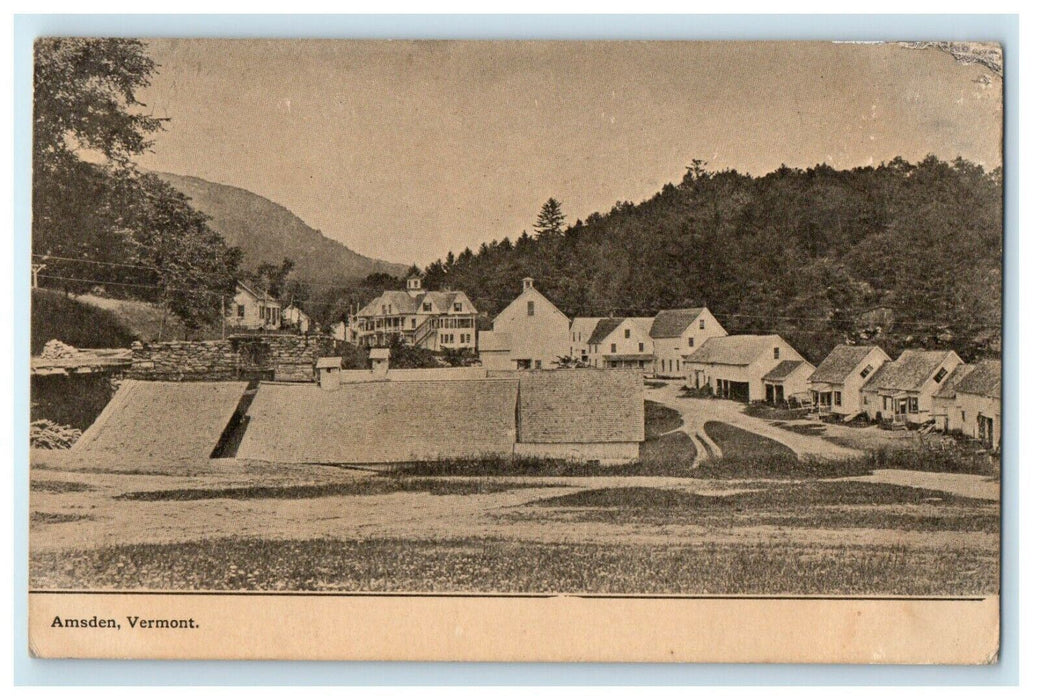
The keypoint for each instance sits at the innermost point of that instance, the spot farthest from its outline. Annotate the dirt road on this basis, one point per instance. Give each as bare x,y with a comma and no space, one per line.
696,412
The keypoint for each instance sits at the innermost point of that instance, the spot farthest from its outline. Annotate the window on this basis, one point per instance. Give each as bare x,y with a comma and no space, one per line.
866,370
939,377
413,323
776,353
837,398
384,309
241,311
613,347
640,347
427,306
884,403
701,325
866,400
690,341
962,416
457,306
911,404
537,364
628,333
530,308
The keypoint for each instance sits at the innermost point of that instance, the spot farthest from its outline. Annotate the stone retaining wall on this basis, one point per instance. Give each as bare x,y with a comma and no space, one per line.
279,357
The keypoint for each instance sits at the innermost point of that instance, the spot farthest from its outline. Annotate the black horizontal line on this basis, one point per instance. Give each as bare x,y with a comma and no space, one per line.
607,596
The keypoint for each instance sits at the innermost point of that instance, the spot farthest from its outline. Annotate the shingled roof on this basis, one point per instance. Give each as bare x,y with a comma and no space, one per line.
399,302
983,381
670,323
378,422
783,370
736,350
581,406
949,387
161,422
840,363
605,327
908,372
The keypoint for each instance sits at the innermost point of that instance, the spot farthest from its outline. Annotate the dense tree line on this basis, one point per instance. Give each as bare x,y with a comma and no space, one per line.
901,254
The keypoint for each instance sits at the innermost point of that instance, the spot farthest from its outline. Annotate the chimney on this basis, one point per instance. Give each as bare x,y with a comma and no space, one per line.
380,358
528,283
327,369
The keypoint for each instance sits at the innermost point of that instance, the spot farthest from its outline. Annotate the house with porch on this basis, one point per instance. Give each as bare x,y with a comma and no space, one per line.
622,343
433,320
677,333
835,385
902,391
735,367
530,333
975,407
788,382
253,309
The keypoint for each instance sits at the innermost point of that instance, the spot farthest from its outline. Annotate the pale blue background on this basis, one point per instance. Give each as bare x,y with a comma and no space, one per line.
1003,28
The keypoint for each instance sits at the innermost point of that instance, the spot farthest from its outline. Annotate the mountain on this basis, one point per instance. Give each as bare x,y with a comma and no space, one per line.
268,232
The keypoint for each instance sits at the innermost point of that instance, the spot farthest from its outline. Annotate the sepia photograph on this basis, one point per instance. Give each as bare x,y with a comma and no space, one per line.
513,320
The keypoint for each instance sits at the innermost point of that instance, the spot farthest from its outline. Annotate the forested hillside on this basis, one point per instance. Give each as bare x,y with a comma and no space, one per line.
904,255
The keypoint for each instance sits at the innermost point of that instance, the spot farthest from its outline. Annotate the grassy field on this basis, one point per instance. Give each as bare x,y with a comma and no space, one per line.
54,315
497,565
734,441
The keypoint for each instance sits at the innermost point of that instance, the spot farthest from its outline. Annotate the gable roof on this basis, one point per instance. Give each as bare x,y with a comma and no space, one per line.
581,406
604,328
531,291
841,362
734,349
783,370
908,372
949,387
670,323
983,381
585,325
329,362
643,323
253,293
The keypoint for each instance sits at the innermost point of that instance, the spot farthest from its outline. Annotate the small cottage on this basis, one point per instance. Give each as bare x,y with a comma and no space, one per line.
252,309
622,343
836,383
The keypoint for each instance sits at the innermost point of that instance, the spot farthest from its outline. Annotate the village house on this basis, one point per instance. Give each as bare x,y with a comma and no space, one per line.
976,409
252,309
735,367
901,391
836,383
622,343
677,333
432,320
581,330
295,317
530,333
944,402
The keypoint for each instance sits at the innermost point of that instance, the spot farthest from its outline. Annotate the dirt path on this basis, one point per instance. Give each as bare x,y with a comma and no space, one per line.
967,485
696,412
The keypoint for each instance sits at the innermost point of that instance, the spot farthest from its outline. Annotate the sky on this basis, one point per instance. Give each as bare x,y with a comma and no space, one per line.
405,150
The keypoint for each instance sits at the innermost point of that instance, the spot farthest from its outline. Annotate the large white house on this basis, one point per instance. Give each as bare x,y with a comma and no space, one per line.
622,343
530,333
677,333
252,309
836,383
431,320
735,367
